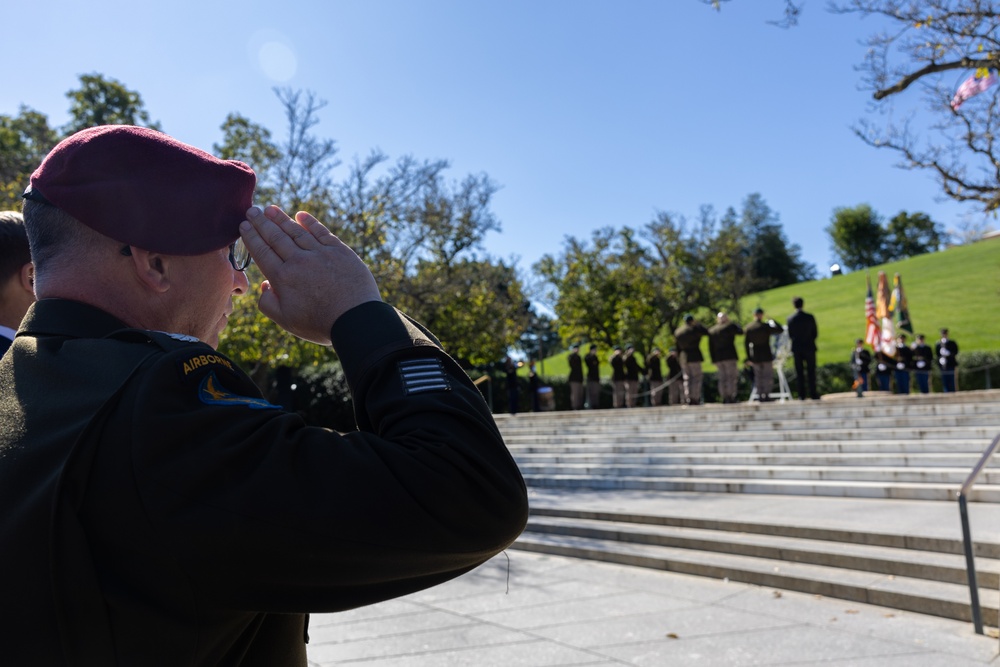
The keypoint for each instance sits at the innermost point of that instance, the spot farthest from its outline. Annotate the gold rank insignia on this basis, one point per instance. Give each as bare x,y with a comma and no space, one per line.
211,392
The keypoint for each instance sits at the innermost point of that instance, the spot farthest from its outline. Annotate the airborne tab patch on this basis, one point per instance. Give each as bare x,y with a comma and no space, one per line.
422,375
211,392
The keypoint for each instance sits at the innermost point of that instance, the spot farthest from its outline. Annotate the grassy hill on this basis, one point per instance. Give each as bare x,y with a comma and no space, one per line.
958,288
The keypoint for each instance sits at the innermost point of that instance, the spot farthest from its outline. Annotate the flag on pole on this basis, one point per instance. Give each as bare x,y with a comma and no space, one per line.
898,305
871,326
972,86
883,302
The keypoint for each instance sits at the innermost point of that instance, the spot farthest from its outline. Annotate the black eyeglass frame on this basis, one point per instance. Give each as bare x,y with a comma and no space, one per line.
239,254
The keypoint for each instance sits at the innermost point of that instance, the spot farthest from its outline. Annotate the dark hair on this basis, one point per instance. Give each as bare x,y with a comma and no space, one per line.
798,302
50,232
14,249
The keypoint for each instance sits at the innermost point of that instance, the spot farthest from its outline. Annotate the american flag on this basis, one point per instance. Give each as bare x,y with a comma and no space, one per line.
872,332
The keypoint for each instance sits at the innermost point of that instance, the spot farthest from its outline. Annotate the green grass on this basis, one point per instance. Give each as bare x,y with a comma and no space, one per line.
957,288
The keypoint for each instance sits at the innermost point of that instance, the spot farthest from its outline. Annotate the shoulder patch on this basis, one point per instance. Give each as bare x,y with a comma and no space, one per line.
211,392
422,375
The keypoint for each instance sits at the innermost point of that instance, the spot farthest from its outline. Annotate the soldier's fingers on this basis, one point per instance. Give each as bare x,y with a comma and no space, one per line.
260,249
292,230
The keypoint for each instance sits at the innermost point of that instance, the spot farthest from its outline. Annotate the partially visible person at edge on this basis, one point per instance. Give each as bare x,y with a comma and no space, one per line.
903,365
946,351
534,384
802,332
757,345
633,369
617,361
575,378
861,365
510,370
688,337
17,276
654,374
157,509
923,359
722,348
675,378
593,378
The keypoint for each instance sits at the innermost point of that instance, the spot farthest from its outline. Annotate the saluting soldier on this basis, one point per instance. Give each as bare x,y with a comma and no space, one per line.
722,347
575,378
157,509
593,378
688,339
757,345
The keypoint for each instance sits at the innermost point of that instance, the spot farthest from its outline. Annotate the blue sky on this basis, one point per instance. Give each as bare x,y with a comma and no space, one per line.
587,113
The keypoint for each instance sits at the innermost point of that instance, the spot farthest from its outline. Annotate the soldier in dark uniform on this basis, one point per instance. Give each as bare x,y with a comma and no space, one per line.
688,339
861,365
884,363
757,344
946,351
633,369
575,378
654,371
675,378
904,363
722,348
923,358
17,290
157,509
617,378
593,378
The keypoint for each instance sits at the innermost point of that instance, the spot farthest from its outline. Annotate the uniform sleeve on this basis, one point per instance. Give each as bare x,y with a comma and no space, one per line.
263,511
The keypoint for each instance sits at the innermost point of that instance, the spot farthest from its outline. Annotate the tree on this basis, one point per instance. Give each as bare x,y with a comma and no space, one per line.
931,42
910,235
857,237
101,101
25,139
774,262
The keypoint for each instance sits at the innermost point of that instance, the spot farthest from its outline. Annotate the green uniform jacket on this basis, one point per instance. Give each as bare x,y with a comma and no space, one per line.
757,340
688,339
722,341
159,511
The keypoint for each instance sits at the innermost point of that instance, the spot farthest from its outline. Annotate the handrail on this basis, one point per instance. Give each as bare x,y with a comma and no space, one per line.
970,563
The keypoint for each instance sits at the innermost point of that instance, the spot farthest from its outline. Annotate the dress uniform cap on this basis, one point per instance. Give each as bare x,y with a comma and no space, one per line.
146,189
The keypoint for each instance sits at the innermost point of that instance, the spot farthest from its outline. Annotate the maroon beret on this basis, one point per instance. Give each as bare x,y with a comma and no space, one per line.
146,189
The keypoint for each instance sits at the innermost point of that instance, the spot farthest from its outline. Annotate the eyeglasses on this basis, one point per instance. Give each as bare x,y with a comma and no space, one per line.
239,255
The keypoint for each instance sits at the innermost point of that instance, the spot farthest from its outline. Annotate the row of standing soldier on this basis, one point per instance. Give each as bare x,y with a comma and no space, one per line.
915,360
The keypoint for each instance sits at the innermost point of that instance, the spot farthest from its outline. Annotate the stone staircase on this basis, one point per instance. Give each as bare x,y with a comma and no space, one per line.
876,456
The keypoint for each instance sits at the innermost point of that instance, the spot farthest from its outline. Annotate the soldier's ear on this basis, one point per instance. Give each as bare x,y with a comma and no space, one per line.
150,269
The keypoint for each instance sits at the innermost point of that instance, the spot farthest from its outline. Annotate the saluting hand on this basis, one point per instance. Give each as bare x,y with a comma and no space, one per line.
312,276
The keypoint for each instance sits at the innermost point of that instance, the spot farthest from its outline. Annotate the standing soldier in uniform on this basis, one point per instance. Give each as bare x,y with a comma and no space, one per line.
904,362
654,373
722,348
632,372
923,358
675,376
575,378
157,509
593,378
688,339
617,378
946,351
757,343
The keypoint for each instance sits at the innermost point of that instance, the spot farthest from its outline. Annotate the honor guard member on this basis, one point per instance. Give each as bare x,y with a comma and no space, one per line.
903,365
946,351
593,378
923,358
861,365
157,509
757,345
617,378
575,378
675,378
654,371
17,290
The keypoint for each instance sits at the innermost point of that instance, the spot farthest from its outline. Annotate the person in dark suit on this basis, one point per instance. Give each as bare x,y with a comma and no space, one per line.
157,509
946,351
802,332
575,378
16,276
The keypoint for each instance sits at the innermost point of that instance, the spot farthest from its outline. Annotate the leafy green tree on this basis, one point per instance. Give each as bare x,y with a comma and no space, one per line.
774,261
910,235
105,101
25,139
251,143
857,237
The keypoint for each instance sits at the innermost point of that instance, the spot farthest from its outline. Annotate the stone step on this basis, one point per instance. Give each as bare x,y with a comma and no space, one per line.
947,600
860,489
905,561
792,432
758,447
898,459
918,475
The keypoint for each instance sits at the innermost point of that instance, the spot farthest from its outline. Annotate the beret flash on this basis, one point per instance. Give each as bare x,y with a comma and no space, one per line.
146,189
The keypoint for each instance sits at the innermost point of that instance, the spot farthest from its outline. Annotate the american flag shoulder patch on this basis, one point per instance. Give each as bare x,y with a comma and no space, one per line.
422,375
